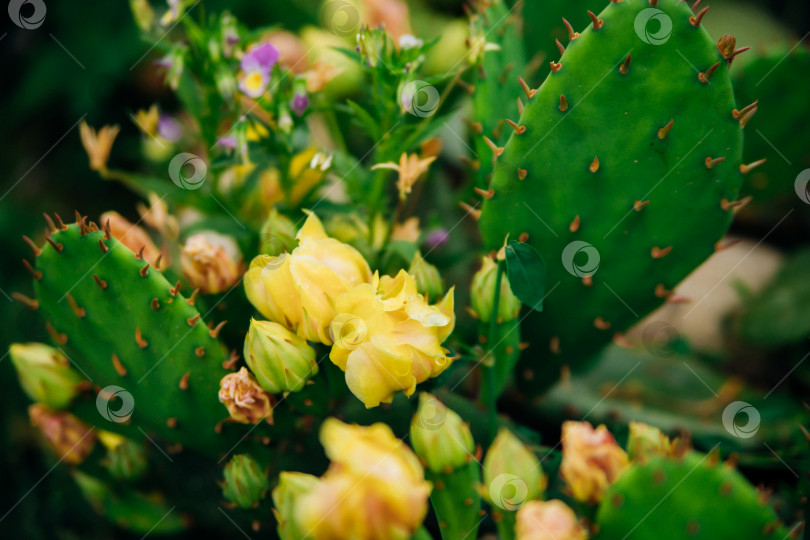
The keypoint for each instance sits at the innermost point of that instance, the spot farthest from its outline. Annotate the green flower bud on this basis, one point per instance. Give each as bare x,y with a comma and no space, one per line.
143,14
645,441
278,234
291,487
125,459
45,374
428,279
245,482
279,359
512,473
482,295
439,436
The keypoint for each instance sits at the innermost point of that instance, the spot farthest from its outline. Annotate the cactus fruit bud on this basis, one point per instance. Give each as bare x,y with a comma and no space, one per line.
280,360
45,374
70,438
512,473
591,460
483,294
428,279
278,234
291,487
439,436
245,482
246,401
548,520
126,459
645,441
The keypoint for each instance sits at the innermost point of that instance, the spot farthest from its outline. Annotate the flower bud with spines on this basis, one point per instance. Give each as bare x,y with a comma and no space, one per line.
245,483
45,374
280,360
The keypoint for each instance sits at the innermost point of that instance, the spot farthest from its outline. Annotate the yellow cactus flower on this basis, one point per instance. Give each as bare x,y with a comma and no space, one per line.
591,460
70,438
98,144
410,168
298,289
374,489
211,261
387,338
548,520
245,400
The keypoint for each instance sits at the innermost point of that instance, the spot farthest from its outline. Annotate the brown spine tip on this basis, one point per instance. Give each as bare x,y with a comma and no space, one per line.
28,302
119,367
497,150
745,169
658,253
59,222
697,19
83,230
51,224
171,422
477,127
704,77
231,362
638,206
726,205
100,282
139,255
625,67
563,103
662,292
554,345
560,47
571,34
522,173
214,332
36,274
597,22
574,227
193,298
200,351
144,271
192,321
157,261
530,92
58,337
102,247
520,106
184,381
555,67
712,162
594,166
587,281
695,5
37,252
176,289
142,343
520,130
474,213
601,323
58,247
487,194
107,233
155,304
79,311
620,340
523,237
664,131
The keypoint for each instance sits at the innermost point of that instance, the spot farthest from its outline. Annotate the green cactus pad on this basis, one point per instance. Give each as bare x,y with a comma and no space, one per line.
600,164
124,325
692,497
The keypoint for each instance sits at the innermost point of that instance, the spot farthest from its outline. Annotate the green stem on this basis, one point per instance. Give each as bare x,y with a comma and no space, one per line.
488,381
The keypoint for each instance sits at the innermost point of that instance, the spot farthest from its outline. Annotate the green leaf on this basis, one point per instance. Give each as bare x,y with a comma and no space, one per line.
527,274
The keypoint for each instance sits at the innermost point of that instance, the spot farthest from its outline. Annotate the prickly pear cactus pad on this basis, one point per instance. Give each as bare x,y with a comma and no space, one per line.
140,342
623,175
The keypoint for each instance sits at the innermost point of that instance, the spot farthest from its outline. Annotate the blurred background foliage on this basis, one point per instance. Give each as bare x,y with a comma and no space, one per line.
87,62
